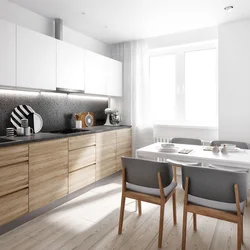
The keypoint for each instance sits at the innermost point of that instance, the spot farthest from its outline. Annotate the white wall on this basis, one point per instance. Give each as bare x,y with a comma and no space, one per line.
23,17
86,42
234,81
193,36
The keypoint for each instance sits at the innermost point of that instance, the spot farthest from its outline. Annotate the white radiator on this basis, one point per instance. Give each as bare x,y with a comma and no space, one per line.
160,139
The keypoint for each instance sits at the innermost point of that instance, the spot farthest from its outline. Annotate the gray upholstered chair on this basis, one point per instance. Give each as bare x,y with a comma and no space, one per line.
147,181
241,145
214,193
188,141
238,144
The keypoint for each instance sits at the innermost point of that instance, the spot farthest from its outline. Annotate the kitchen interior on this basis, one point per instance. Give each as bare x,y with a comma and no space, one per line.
80,92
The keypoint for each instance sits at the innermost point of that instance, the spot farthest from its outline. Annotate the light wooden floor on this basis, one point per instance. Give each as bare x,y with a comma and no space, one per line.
90,222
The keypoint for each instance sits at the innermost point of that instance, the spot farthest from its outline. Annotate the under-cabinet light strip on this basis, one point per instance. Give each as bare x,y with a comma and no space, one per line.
90,97
53,94
18,92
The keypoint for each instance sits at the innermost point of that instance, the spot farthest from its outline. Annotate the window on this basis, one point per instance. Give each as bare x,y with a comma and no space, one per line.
184,85
162,71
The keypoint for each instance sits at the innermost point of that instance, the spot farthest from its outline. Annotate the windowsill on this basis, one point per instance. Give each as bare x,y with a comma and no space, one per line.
185,126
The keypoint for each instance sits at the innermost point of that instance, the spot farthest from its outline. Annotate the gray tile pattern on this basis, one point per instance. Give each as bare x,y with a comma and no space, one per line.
56,111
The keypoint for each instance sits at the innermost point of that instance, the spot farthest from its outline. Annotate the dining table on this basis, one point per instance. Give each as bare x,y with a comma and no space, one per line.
239,158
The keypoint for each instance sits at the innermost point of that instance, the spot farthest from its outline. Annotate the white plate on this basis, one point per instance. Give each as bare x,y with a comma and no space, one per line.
20,112
167,145
168,150
38,123
231,149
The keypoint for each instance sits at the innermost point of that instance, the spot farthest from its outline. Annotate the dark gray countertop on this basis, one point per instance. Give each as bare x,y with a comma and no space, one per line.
44,136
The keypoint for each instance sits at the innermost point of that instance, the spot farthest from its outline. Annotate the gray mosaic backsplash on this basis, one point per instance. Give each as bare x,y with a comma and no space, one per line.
56,111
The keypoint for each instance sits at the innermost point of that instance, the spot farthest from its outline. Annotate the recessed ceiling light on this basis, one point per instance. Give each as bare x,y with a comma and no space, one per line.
106,26
83,13
228,8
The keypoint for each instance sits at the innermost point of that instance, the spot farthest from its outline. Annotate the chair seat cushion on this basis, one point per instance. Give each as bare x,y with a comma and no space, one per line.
233,169
184,163
227,207
151,191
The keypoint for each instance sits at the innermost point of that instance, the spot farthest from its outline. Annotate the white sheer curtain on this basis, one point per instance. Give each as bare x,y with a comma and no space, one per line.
136,90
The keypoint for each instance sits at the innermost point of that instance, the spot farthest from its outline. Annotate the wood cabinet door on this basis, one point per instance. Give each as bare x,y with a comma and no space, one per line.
48,172
13,154
70,66
36,60
82,157
13,178
105,154
7,53
81,178
82,141
124,145
13,206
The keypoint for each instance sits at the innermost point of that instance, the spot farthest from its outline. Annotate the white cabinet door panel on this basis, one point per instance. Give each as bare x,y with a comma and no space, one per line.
95,81
36,60
7,53
115,78
70,66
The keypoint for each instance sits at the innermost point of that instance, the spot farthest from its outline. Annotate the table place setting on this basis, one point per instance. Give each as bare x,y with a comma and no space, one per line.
171,148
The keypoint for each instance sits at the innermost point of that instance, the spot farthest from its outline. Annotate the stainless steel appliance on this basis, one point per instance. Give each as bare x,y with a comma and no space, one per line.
113,117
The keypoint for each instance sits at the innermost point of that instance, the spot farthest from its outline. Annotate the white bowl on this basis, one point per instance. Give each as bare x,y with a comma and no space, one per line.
167,145
229,145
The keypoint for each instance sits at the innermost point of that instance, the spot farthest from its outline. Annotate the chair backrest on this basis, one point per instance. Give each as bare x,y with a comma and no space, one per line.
238,144
213,184
144,173
190,141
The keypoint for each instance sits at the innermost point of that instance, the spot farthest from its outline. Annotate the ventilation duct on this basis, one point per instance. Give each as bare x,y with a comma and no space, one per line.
59,29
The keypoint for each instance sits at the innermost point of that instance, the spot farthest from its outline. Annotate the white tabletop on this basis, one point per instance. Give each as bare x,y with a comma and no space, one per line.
241,158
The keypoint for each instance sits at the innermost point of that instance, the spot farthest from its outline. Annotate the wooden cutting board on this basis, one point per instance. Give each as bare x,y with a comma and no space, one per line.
83,115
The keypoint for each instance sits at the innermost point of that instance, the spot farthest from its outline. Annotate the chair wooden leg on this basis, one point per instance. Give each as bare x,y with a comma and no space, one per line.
175,175
184,228
239,235
161,225
174,208
242,231
121,214
194,222
139,207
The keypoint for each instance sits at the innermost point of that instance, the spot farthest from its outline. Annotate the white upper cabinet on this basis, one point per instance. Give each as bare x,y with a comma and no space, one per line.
95,70
114,81
7,54
36,60
103,75
70,66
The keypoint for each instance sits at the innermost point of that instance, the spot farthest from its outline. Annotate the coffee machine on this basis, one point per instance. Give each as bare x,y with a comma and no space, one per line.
113,117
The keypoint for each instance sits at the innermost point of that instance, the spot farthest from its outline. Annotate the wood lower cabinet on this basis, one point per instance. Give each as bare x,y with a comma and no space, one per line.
13,206
48,172
82,141
81,178
13,182
105,154
82,157
124,145
34,175
13,154
13,178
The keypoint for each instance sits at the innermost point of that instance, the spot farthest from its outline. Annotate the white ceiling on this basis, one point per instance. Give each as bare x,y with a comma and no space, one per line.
137,19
